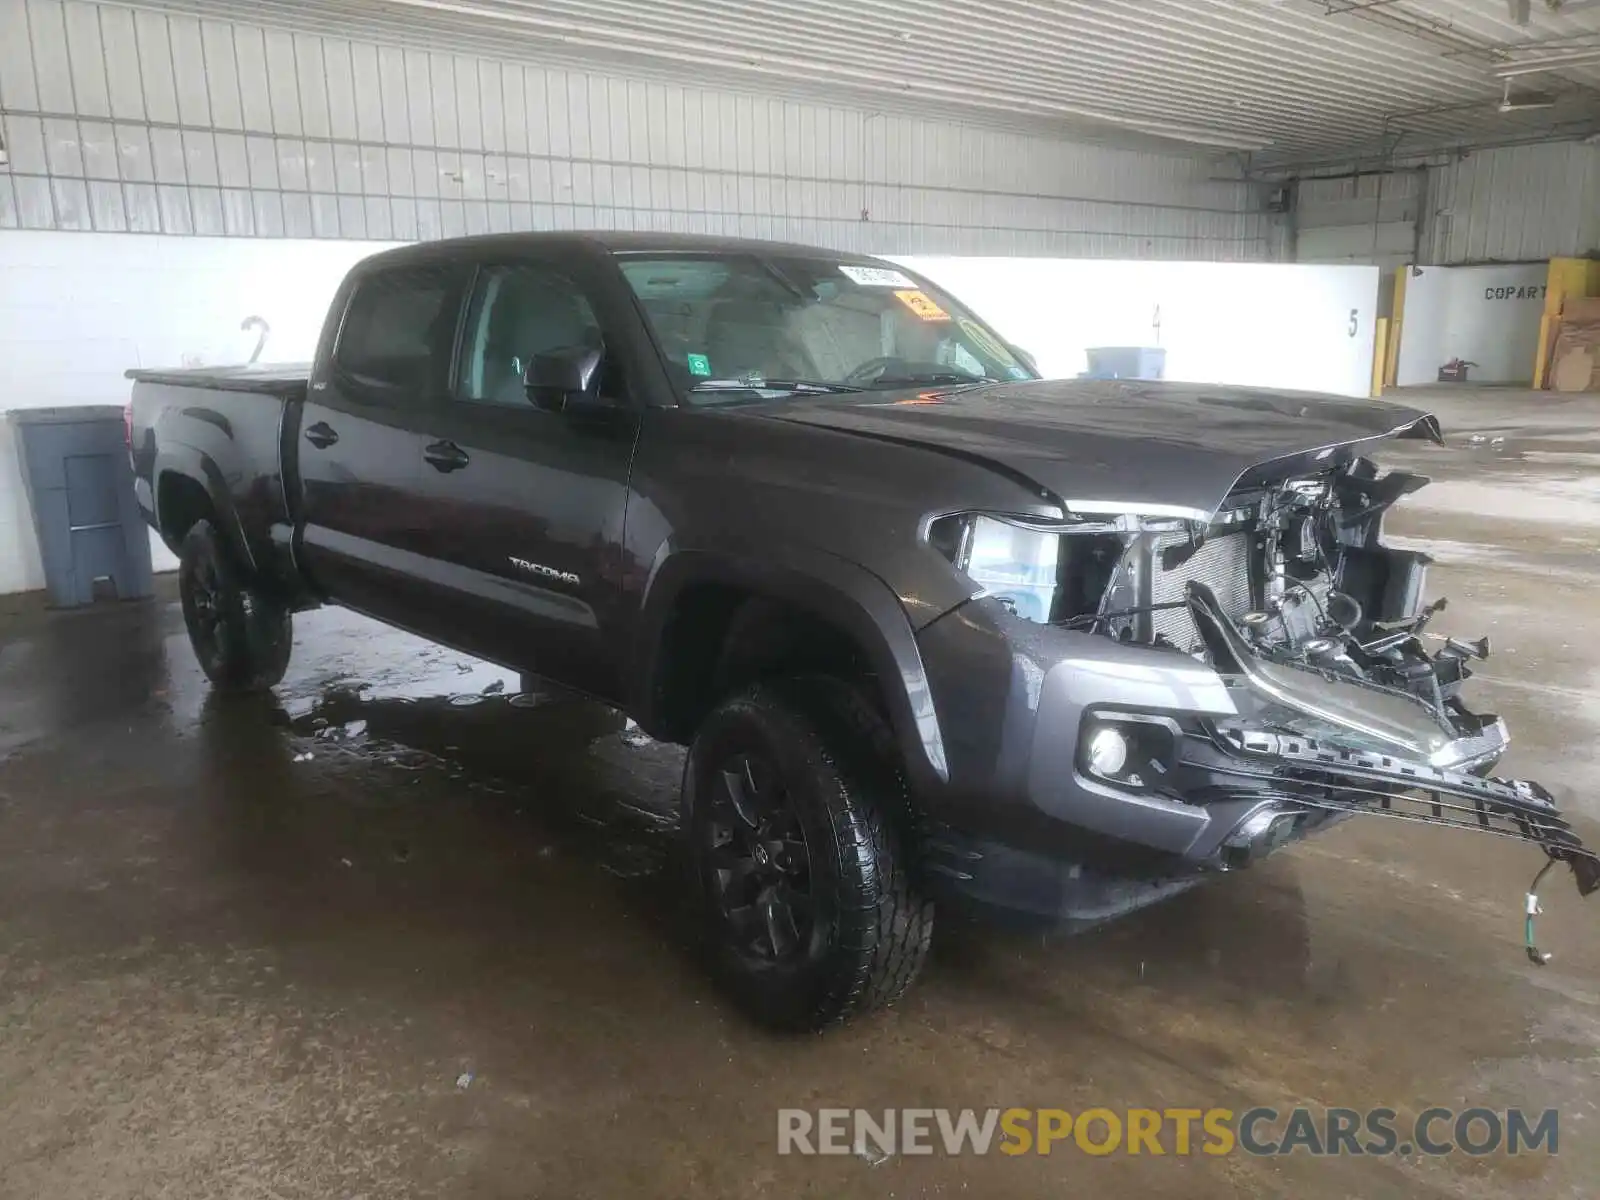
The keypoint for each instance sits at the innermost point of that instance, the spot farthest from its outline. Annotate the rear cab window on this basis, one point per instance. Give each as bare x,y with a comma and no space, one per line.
399,331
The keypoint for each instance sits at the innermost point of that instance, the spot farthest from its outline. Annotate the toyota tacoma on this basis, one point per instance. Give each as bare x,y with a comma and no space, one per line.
935,630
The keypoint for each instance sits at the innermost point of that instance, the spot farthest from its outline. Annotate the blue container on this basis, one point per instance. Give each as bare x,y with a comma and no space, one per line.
1126,362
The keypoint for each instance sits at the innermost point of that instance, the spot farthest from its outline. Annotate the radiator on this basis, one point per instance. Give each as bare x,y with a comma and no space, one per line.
1221,563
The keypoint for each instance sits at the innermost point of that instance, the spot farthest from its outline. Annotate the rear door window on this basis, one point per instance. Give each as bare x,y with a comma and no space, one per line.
399,331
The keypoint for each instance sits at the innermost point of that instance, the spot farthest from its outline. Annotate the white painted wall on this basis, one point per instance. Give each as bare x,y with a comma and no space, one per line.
1486,315
1255,324
76,312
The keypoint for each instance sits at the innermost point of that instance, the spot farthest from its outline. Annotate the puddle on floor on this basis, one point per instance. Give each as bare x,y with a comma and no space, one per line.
578,765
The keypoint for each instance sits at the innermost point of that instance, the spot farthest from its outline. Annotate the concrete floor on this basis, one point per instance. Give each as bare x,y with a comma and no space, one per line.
227,969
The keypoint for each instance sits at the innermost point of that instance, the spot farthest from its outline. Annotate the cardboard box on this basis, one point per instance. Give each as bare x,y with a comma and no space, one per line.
1581,310
1575,357
1574,370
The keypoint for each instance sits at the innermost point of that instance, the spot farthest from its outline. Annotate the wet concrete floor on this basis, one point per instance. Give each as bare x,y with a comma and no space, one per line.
393,932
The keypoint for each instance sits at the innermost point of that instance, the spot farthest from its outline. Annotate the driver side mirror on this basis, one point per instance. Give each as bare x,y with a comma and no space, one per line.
565,378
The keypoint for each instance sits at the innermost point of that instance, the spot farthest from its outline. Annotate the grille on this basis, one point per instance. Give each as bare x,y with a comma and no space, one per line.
1222,564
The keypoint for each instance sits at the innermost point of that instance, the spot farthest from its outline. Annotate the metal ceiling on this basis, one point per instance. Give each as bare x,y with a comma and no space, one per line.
1285,82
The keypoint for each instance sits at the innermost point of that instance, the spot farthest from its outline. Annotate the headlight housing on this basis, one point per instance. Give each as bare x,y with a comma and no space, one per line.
1018,564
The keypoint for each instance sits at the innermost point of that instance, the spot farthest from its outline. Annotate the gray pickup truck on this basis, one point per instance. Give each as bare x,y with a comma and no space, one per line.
937,631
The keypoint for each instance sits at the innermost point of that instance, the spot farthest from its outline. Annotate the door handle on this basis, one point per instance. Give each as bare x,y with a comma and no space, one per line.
321,435
445,456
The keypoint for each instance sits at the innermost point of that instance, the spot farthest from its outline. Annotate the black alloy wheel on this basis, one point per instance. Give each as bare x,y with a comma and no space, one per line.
241,636
805,856
761,865
202,610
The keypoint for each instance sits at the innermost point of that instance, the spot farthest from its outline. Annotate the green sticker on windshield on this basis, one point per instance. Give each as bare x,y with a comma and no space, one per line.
699,364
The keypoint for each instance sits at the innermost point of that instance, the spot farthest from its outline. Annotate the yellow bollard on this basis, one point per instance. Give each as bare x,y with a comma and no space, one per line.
1380,356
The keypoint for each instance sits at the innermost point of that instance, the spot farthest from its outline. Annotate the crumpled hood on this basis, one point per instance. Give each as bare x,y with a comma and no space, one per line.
1119,445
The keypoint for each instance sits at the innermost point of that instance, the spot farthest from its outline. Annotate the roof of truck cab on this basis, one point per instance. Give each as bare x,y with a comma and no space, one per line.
616,241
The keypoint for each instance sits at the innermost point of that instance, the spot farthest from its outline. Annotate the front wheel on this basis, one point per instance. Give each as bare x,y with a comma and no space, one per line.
241,637
801,848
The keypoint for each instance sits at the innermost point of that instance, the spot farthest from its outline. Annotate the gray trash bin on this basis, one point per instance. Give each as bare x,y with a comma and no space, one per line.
92,536
1126,362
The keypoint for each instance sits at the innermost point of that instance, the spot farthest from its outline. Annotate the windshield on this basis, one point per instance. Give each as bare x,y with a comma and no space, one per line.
738,326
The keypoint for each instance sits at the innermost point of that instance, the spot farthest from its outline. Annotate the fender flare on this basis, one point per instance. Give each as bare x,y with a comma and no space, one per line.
195,465
832,588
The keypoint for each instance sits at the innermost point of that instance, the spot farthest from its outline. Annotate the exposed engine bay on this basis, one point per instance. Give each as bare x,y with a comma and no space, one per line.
1346,701
1297,567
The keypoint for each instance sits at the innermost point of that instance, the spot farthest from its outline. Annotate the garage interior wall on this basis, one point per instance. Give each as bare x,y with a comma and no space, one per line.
1488,316
1514,204
123,119
1487,223
1518,204
1369,219
1275,325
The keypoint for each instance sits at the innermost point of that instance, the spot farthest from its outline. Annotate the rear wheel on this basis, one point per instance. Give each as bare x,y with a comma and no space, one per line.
241,637
802,856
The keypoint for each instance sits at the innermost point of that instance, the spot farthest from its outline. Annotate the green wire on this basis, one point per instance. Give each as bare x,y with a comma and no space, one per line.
1535,955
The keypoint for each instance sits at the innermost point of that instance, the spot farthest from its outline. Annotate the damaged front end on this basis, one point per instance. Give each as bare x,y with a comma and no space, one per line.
1339,699
1316,741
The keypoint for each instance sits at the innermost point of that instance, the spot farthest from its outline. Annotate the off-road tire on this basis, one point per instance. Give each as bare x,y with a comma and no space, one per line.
241,637
871,923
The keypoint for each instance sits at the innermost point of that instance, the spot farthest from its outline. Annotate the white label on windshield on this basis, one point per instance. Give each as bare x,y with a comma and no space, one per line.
877,276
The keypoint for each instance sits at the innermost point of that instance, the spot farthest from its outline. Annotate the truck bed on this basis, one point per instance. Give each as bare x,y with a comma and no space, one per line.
222,438
285,380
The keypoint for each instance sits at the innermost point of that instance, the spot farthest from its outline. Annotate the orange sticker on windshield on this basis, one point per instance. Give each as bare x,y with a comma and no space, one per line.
919,303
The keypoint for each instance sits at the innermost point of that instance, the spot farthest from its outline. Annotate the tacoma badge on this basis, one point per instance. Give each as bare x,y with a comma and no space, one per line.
534,568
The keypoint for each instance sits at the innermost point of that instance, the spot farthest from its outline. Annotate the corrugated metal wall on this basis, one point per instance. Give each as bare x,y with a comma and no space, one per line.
1515,205
135,120
1519,204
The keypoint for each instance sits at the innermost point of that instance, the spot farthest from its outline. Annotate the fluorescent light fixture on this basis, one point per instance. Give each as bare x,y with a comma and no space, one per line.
1525,102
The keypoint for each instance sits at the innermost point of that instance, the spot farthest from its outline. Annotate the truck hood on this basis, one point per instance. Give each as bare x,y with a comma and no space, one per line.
1109,446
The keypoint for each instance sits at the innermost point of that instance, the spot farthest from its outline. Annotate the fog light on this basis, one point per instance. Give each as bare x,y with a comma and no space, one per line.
1129,751
1108,752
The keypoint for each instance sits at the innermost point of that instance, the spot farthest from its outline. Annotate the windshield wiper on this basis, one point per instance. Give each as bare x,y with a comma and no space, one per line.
922,377
810,387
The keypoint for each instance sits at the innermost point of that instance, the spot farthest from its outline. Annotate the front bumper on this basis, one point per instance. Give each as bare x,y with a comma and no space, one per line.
1027,830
